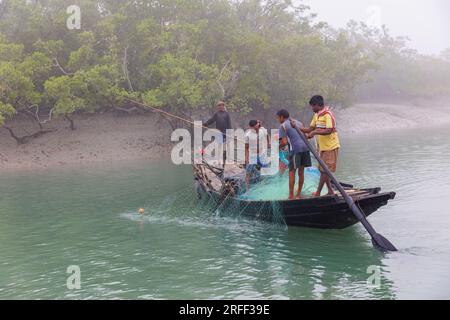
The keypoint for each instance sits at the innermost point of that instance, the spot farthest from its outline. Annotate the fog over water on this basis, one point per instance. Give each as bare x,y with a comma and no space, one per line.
426,23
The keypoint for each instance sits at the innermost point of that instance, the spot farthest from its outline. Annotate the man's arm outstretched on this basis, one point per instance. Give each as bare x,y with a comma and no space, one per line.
211,121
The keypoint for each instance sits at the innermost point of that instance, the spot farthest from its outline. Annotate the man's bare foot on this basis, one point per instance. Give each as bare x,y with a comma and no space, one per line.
299,197
291,197
316,195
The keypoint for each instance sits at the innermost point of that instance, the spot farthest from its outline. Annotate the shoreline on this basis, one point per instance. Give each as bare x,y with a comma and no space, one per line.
100,138
105,138
373,118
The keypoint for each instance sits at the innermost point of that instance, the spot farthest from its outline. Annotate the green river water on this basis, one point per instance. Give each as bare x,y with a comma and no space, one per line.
50,220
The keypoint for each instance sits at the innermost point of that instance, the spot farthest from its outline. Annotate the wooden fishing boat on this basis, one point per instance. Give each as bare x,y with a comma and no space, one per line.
327,212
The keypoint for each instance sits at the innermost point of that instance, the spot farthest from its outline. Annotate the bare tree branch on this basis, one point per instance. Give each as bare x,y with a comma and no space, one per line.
125,69
58,65
50,115
219,80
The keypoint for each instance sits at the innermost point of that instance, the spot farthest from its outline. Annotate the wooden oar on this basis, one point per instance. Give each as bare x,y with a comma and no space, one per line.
379,242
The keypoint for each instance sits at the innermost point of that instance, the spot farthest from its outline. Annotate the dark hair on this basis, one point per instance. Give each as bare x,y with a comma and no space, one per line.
317,101
253,123
284,113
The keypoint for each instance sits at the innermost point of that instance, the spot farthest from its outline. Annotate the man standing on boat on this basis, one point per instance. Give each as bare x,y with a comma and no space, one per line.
222,120
323,126
299,155
257,141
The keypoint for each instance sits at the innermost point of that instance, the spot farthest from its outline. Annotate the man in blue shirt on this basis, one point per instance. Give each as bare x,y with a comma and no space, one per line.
299,155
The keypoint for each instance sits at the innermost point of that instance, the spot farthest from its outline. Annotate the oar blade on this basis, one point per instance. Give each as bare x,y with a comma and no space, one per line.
383,244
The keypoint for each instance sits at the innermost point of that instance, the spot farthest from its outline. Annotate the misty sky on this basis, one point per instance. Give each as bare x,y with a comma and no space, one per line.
425,22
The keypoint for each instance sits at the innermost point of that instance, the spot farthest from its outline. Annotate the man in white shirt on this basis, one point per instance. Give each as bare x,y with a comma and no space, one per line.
257,141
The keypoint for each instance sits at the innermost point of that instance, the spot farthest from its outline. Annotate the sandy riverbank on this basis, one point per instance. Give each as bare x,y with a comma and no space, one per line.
108,138
374,118
97,138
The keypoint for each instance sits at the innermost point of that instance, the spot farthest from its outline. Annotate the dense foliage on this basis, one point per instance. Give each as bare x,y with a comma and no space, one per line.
182,55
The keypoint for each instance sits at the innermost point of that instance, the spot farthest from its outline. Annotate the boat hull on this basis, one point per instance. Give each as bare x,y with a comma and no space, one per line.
329,212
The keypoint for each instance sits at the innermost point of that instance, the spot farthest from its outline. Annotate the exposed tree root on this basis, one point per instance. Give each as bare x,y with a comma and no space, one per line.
25,139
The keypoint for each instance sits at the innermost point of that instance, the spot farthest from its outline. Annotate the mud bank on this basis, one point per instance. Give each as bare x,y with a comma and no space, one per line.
97,138
374,118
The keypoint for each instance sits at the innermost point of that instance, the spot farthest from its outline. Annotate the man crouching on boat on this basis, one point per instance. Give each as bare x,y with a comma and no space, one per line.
257,141
323,126
299,155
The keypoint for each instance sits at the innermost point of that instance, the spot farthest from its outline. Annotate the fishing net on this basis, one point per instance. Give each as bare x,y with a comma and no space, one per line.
235,207
261,202
276,188
185,207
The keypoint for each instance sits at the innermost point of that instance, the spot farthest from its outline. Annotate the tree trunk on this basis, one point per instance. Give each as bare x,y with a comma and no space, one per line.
33,118
72,122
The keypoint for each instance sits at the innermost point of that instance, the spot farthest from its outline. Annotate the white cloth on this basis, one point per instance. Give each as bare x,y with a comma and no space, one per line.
251,138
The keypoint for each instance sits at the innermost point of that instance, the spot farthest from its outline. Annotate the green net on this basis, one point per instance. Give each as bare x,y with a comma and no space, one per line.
262,202
232,207
277,188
